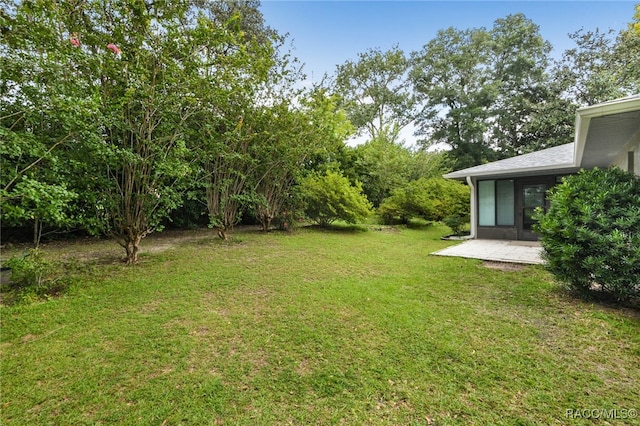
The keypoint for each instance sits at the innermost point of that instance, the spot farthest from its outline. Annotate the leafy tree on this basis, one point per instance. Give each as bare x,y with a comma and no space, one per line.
584,71
288,138
486,93
452,80
527,114
430,199
47,117
590,234
332,197
376,93
144,109
383,166
230,134
331,128
602,66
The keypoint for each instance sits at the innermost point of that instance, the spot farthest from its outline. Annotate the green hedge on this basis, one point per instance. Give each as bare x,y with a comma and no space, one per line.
591,233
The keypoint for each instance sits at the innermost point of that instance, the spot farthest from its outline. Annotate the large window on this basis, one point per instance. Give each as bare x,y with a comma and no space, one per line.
496,203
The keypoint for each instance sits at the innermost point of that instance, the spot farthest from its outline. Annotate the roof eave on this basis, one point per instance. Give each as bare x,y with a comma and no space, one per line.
585,114
512,172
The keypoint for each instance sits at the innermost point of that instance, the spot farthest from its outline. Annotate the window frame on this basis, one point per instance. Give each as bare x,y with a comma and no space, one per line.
495,208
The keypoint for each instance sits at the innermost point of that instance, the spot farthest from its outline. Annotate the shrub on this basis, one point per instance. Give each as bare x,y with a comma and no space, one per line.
456,222
32,277
331,197
430,199
591,233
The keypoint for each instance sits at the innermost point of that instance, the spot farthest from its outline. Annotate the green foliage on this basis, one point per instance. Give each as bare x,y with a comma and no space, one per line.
430,199
487,94
32,277
332,197
591,232
457,222
383,166
376,93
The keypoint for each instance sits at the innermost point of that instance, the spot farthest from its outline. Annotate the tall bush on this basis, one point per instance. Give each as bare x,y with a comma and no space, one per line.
332,197
430,199
591,233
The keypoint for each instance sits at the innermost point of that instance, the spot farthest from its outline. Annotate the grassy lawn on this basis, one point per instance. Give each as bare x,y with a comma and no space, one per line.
313,327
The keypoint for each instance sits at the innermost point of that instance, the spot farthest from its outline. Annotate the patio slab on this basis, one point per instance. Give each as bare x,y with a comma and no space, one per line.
525,252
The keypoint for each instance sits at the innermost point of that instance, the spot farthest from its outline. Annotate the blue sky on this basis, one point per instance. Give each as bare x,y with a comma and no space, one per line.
324,34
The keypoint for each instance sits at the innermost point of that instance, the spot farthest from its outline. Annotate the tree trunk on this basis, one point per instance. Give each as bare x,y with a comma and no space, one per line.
37,232
131,244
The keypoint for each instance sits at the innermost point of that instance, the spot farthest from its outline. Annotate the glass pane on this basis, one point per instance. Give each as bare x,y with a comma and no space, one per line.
506,202
534,195
487,203
528,221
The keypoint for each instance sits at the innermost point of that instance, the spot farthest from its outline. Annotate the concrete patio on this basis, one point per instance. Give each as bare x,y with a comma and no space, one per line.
525,252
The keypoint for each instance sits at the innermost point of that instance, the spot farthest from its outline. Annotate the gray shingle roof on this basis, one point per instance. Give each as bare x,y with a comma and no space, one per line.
559,157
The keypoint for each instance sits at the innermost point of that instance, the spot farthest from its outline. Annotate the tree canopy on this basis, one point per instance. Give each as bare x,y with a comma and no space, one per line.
115,114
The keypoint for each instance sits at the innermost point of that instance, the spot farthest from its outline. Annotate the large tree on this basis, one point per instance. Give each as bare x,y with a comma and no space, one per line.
376,93
383,166
235,72
526,114
454,84
47,120
132,76
486,93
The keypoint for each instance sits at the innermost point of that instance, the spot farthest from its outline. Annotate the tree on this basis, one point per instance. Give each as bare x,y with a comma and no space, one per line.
584,71
452,80
527,114
376,93
289,138
383,166
486,93
234,69
601,67
143,69
138,78
332,197
47,118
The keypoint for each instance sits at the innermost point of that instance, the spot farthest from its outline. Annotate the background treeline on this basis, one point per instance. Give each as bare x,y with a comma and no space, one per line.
120,118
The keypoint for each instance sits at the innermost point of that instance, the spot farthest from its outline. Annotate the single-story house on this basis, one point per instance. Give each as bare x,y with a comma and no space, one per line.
505,193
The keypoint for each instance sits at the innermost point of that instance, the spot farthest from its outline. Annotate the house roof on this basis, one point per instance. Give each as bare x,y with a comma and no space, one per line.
559,158
602,131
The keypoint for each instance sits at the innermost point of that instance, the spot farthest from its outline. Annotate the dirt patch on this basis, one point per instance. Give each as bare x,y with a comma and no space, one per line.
503,266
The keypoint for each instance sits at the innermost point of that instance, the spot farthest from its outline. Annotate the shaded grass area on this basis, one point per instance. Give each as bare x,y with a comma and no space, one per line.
315,326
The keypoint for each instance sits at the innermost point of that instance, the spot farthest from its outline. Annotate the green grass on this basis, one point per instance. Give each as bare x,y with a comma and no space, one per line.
315,326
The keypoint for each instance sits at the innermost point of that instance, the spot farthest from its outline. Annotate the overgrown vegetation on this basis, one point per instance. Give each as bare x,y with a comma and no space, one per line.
430,199
117,114
31,277
310,327
591,233
332,197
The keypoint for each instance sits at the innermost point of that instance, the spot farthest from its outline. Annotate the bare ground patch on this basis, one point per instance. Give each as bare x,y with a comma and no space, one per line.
503,266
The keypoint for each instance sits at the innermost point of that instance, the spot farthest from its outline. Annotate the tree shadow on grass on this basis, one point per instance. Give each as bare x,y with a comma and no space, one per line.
339,228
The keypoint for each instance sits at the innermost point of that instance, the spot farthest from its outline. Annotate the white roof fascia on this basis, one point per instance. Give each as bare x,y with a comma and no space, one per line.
521,170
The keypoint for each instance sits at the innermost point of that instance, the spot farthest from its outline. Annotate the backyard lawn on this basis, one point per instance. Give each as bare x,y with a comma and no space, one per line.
313,327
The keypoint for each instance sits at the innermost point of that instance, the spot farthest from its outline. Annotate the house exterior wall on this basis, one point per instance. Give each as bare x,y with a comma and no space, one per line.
629,158
632,150
519,229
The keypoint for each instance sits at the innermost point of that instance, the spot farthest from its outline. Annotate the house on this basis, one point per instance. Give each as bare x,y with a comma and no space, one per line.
505,193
